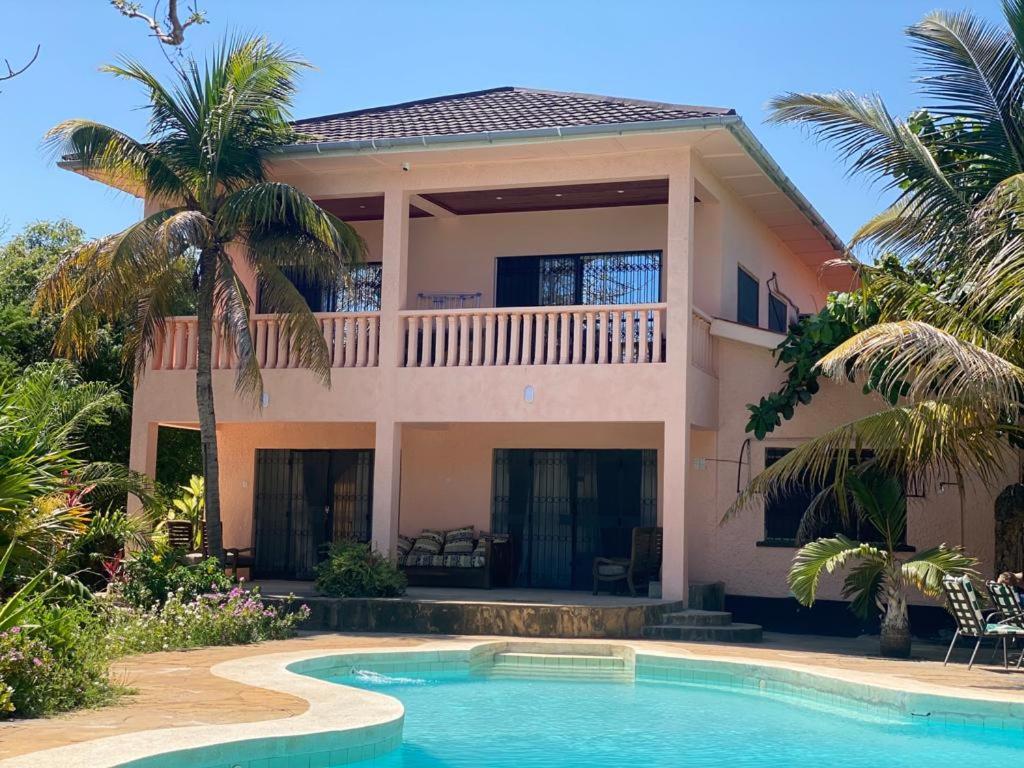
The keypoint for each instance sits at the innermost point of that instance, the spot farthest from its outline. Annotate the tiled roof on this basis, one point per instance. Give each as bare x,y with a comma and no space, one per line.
496,109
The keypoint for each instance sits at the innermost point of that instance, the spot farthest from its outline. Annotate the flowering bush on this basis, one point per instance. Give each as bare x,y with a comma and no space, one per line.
41,673
151,576
219,618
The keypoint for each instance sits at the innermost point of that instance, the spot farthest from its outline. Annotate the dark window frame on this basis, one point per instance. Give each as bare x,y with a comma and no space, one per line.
772,537
324,300
529,269
741,273
774,323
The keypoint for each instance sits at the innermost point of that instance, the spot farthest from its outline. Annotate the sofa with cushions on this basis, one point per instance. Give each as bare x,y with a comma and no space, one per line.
460,557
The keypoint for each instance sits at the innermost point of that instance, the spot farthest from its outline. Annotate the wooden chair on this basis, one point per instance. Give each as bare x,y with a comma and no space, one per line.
642,566
180,536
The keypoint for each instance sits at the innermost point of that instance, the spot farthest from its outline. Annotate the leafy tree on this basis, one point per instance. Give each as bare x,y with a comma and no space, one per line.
209,130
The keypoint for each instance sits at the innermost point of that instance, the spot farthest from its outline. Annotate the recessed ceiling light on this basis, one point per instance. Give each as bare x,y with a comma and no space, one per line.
497,197
362,206
558,194
620,191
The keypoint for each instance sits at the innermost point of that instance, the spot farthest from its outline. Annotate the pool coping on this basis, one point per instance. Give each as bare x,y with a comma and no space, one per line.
344,724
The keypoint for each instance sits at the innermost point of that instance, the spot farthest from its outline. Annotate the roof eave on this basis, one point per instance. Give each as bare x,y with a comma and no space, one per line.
733,123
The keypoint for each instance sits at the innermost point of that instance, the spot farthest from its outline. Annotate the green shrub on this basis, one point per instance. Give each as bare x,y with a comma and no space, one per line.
55,663
353,569
231,618
151,576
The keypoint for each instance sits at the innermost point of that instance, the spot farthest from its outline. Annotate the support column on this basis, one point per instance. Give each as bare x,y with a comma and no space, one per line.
387,476
388,445
142,455
679,297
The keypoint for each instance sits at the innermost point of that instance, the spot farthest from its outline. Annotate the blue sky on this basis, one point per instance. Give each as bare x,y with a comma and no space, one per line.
735,53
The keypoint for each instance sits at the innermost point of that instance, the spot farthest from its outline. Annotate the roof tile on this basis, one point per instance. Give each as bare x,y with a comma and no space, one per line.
496,109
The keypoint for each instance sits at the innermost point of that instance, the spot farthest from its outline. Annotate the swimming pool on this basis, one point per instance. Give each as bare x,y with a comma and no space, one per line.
464,718
565,704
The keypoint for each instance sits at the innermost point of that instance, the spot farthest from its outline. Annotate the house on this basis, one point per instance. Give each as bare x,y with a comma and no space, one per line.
568,301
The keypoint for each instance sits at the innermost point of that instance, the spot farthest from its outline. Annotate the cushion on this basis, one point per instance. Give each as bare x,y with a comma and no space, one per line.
463,561
424,559
611,569
428,541
404,546
459,541
1004,629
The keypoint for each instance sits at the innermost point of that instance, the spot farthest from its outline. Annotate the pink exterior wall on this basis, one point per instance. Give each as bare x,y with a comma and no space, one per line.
434,429
727,551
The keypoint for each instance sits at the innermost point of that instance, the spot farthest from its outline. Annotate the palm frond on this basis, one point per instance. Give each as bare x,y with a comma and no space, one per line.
926,569
929,364
863,585
235,307
914,440
821,557
978,76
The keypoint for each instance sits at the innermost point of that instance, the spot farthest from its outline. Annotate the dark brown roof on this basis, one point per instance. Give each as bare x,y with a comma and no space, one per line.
496,109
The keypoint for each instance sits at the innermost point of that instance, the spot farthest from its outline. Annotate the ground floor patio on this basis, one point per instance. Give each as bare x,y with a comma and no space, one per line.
176,689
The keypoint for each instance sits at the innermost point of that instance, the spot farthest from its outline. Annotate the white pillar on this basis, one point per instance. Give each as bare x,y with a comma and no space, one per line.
679,297
388,443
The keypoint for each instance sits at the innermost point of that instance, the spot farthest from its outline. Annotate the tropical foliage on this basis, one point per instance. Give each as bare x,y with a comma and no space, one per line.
875,577
949,345
203,157
355,569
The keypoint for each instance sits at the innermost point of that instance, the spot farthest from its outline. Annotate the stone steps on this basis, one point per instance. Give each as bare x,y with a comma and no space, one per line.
718,633
561,665
697,618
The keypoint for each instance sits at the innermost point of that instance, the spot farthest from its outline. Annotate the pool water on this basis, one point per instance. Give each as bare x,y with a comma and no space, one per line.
461,719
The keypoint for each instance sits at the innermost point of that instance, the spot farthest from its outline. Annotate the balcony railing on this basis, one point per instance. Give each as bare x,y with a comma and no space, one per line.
353,341
702,344
577,335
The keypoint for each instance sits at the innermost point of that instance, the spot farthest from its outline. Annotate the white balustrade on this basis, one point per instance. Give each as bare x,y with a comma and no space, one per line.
577,335
353,341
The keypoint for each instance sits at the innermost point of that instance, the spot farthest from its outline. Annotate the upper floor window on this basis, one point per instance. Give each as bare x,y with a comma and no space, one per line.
783,513
748,295
778,314
359,291
632,277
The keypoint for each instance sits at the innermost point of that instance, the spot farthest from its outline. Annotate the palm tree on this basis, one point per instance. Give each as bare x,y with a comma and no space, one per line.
947,359
877,578
209,131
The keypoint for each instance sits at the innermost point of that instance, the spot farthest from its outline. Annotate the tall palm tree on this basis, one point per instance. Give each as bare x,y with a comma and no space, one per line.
209,131
949,356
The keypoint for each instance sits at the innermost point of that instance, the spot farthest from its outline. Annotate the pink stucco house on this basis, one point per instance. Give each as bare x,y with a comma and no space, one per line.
568,302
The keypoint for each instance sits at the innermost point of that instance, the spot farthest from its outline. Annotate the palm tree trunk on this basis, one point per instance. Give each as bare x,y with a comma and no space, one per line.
895,640
204,404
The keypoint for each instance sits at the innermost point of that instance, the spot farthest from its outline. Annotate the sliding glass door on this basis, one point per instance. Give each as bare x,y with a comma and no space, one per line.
563,508
304,501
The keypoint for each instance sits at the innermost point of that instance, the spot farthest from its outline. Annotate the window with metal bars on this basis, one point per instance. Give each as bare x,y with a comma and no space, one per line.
778,314
359,290
748,298
630,277
783,513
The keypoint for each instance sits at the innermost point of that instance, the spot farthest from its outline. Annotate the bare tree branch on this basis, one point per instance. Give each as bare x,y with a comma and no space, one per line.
13,73
173,33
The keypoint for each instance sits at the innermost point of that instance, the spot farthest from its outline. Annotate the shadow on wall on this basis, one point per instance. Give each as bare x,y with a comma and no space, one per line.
829,617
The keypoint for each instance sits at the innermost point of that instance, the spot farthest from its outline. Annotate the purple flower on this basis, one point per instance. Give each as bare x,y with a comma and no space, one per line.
15,630
37,661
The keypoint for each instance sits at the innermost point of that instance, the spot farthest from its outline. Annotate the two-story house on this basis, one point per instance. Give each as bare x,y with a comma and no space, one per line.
568,301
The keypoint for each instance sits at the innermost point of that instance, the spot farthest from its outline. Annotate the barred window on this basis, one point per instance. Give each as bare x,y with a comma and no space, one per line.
359,290
631,277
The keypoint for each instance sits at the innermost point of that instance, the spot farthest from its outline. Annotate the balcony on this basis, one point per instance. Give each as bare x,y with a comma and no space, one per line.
509,336
353,340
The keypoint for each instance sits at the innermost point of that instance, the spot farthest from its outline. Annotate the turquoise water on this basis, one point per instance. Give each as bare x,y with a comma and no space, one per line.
458,720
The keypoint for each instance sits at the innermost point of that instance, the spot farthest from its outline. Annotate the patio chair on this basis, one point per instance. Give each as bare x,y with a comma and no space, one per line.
970,621
642,565
179,536
1008,609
